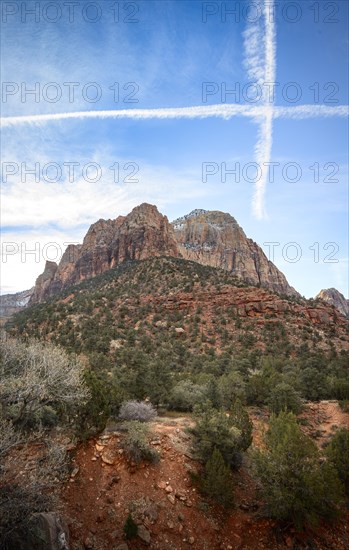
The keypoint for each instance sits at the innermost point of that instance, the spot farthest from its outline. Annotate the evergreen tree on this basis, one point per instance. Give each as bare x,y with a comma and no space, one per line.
297,486
217,481
228,432
240,419
338,455
283,397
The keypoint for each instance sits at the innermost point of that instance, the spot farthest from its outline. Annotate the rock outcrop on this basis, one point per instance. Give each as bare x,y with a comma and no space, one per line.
45,531
335,298
216,239
11,303
142,234
210,238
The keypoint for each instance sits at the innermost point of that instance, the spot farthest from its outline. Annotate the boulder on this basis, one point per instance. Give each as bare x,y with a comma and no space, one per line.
45,531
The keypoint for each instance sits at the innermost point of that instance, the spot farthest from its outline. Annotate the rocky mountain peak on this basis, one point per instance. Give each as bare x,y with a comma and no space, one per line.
143,233
215,238
211,238
335,298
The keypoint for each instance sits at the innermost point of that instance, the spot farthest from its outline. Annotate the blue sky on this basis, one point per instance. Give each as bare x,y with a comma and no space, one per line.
163,59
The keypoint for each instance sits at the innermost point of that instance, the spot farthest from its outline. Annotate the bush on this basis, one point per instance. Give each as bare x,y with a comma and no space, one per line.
130,528
221,430
140,411
185,395
231,387
217,481
136,444
284,398
297,486
338,455
240,419
36,375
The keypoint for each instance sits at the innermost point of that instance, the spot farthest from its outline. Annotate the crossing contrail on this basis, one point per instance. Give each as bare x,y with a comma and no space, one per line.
260,63
225,111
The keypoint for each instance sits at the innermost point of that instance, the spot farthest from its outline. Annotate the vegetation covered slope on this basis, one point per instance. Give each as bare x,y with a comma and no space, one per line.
170,329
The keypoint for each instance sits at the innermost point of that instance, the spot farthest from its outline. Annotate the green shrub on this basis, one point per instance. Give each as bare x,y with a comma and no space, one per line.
130,528
283,397
338,455
221,430
136,443
297,485
185,395
217,482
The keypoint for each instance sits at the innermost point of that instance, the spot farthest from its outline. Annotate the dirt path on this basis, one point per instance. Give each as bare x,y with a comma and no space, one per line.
321,420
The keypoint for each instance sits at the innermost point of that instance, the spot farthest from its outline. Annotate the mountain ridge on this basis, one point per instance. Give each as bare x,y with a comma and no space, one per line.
208,237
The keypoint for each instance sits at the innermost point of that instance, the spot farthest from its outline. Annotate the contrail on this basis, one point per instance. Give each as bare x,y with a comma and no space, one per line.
225,111
301,112
201,111
260,62
260,55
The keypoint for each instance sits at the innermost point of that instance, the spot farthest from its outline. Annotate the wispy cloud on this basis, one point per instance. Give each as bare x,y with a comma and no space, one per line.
260,64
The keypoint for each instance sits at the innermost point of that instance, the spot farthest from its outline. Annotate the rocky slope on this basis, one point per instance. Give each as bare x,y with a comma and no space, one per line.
216,239
171,298
11,303
209,238
333,297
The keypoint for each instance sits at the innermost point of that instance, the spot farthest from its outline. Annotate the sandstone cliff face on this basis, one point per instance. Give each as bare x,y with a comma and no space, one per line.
43,284
209,238
216,239
142,234
333,297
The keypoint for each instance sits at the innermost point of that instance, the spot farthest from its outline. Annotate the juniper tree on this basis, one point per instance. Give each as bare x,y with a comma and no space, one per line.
217,482
297,485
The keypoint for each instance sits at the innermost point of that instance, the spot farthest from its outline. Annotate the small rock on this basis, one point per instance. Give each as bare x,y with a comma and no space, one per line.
99,447
181,516
75,471
170,524
191,540
94,458
108,457
161,485
169,489
171,498
144,534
